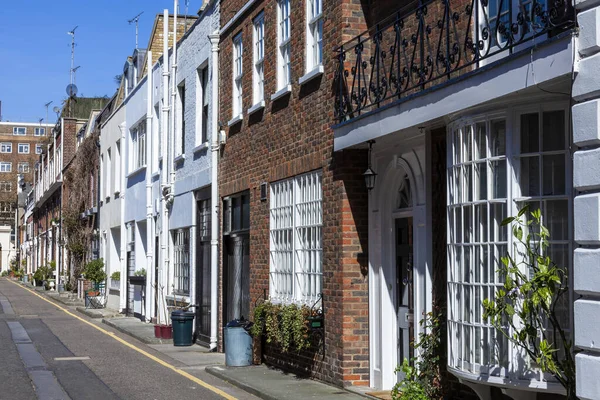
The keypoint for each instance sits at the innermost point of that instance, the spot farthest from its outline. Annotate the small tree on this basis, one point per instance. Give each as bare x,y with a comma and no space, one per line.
94,271
526,309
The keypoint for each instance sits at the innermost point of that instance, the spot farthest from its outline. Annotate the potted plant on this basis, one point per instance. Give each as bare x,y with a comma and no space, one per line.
115,279
138,278
94,272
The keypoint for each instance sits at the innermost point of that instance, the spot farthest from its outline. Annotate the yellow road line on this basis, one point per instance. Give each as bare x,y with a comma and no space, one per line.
133,347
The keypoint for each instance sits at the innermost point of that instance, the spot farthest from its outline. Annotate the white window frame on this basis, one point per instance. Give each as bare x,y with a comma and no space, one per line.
258,79
108,176
138,146
5,166
23,148
19,130
5,186
238,68
38,149
39,132
181,261
180,128
476,241
296,221
284,67
314,34
6,147
202,116
23,167
118,155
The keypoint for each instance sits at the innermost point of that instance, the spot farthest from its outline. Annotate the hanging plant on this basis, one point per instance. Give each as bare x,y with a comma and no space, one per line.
285,325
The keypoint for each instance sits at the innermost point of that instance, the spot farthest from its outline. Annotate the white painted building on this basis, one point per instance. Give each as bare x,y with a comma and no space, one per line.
460,143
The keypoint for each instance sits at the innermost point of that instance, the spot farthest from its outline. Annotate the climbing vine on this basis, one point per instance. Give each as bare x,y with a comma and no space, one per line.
78,231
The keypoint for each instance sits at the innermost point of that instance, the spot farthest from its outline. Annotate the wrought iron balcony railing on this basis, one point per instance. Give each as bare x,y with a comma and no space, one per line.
439,40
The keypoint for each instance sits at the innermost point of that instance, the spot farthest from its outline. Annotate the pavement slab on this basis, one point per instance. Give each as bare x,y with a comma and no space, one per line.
134,327
273,384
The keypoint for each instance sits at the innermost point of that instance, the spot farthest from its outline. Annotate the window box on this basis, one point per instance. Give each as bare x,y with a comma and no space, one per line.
316,72
137,280
282,92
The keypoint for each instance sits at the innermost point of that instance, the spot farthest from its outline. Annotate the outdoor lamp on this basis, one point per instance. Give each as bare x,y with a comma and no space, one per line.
370,175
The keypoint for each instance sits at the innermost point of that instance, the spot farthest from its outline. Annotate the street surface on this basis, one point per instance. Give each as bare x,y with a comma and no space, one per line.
46,353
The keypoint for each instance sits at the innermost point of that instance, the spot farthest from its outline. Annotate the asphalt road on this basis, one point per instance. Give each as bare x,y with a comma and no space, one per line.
47,354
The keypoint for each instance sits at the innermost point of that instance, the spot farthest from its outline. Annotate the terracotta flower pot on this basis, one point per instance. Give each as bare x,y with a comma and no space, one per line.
166,332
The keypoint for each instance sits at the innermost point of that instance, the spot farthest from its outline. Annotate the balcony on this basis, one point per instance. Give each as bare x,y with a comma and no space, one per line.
421,49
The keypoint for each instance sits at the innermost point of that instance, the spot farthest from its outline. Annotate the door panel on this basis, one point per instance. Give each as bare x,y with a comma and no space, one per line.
203,272
404,287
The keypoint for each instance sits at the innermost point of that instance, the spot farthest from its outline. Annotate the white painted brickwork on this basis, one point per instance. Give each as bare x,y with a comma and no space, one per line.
586,182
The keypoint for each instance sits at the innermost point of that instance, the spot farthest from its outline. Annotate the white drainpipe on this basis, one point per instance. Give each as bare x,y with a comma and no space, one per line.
214,191
123,238
164,266
149,222
173,97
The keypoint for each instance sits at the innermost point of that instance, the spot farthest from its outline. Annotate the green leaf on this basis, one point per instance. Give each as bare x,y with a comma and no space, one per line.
523,210
507,221
519,233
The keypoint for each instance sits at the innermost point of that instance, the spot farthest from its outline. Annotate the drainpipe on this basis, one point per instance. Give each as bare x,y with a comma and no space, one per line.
214,193
123,238
173,96
149,231
164,266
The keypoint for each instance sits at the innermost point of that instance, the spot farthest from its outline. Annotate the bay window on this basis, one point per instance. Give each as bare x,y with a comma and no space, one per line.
496,165
296,218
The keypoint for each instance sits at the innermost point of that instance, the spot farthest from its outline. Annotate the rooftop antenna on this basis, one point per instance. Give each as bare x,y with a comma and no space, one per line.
187,3
72,33
56,109
47,105
136,19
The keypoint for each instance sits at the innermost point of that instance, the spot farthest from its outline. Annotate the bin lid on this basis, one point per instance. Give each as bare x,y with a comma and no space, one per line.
182,314
239,323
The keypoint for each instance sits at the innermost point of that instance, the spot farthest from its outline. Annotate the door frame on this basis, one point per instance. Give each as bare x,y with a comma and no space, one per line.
383,324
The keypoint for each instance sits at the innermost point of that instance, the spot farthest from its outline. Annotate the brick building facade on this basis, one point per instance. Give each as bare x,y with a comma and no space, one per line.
286,137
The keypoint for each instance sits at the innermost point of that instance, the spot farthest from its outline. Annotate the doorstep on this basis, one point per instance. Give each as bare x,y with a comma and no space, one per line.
273,384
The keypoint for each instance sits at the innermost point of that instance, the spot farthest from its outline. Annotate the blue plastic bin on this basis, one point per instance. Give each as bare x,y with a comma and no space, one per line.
238,345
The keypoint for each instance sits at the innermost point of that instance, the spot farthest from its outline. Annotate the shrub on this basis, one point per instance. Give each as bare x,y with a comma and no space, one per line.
116,276
282,324
94,271
140,272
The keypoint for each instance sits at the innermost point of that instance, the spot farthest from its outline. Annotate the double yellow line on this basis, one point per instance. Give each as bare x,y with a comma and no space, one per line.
133,347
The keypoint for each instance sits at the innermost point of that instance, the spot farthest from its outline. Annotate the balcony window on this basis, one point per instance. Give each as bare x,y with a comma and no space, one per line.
484,188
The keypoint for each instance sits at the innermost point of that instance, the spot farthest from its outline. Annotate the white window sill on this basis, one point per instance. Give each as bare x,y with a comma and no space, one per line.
155,174
200,147
257,107
235,119
179,158
136,171
281,92
317,71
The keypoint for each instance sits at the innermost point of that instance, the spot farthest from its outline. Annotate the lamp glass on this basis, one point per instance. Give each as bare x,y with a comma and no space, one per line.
370,177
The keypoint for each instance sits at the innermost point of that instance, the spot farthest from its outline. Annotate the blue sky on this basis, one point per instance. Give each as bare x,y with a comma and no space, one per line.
35,49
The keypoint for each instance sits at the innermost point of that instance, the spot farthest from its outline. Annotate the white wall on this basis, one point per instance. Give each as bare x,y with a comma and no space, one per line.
8,252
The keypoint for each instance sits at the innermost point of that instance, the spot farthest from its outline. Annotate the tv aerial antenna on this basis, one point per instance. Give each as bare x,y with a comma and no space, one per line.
136,19
71,88
56,109
47,105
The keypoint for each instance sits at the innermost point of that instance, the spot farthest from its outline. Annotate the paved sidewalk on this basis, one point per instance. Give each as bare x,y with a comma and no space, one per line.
272,384
135,328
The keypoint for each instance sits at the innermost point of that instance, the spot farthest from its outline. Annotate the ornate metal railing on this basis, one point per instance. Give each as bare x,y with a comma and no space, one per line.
439,40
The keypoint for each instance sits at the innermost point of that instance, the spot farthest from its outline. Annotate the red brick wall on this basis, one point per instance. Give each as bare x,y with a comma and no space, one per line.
291,136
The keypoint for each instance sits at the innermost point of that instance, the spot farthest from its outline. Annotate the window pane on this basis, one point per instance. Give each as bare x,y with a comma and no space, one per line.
554,130
481,181
530,133
556,219
498,172
554,174
530,176
480,141
498,138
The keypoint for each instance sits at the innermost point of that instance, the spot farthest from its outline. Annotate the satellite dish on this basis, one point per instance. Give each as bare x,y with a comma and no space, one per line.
72,90
56,109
